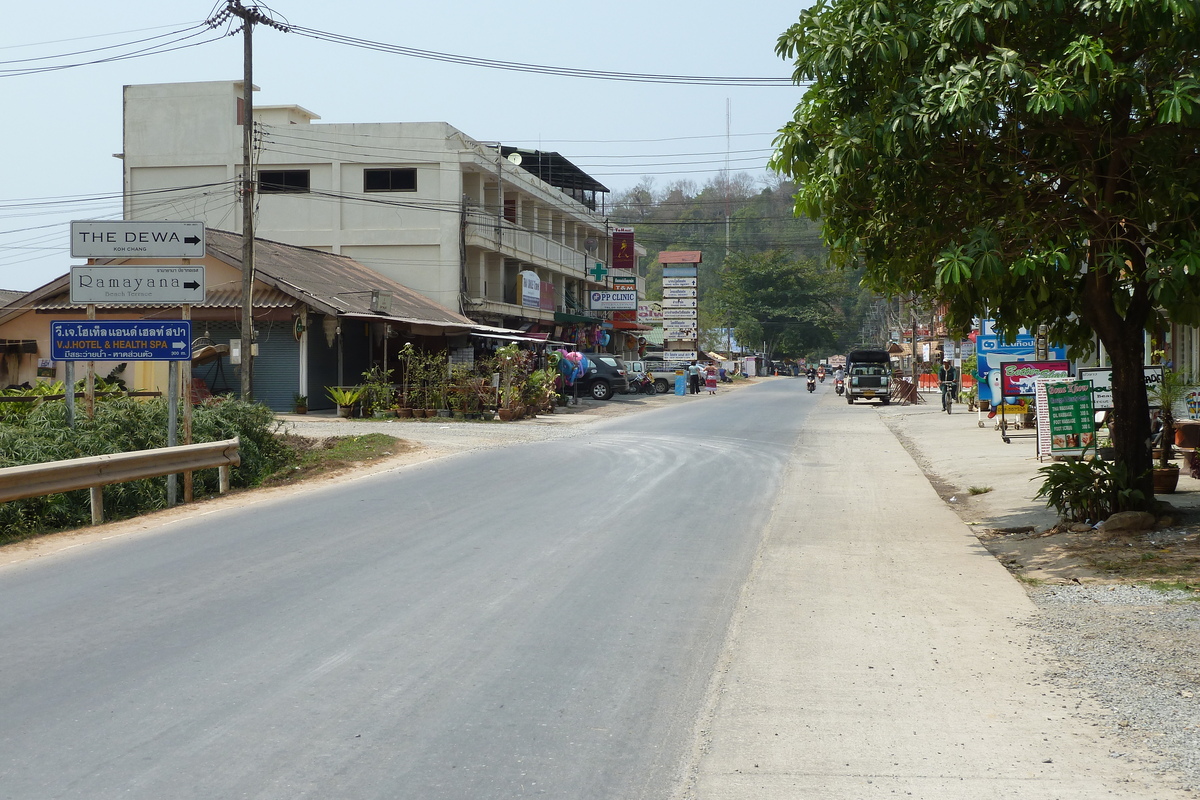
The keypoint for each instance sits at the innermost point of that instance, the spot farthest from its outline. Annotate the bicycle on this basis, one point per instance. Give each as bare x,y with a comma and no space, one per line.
947,396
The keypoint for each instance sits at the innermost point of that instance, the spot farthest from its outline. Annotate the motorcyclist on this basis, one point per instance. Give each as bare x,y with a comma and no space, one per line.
839,374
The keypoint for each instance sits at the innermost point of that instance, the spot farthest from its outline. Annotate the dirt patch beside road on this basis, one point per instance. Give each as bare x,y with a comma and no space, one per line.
991,485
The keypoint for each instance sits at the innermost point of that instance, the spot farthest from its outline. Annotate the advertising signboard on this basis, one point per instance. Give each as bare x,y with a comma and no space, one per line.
1101,378
121,340
623,256
613,300
1071,416
993,351
1019,378
649,312
531,289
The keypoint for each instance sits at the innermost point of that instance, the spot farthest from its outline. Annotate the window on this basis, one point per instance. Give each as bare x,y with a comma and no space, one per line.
283,181
389,180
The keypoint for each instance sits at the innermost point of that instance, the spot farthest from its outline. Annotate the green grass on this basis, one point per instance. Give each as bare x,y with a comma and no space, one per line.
318,456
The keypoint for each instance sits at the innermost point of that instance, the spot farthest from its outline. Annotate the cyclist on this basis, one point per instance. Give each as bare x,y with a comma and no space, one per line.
948,380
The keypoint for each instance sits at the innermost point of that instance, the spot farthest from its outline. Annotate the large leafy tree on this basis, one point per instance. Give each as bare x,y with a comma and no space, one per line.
790,304
1035,159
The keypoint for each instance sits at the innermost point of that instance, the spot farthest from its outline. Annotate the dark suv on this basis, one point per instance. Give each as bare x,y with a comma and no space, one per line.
605,376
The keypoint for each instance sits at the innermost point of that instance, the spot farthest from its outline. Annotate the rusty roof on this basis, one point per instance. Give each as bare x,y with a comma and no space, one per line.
329,283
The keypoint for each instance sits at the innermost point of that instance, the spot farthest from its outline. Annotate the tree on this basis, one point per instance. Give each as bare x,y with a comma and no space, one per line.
792,305
1036,158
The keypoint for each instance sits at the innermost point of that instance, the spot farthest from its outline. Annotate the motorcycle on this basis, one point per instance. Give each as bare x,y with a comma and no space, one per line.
839,385
812,383
642,383
821,375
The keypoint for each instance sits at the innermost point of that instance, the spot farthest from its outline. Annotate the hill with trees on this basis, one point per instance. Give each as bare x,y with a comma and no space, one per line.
765,272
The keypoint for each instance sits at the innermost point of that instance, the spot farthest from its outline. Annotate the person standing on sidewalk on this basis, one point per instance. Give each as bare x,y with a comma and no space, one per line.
693,376
710,379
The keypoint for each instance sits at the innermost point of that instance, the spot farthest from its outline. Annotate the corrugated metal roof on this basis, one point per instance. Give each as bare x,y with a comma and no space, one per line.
339,283
216,298
329,283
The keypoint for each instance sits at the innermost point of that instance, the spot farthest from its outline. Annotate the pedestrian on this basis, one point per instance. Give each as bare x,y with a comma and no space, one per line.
710,379
693,376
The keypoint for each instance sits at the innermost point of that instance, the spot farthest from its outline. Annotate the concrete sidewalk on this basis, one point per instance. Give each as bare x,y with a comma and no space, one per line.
879,649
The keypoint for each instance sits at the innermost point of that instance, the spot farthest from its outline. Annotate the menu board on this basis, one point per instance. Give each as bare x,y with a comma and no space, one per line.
1071,416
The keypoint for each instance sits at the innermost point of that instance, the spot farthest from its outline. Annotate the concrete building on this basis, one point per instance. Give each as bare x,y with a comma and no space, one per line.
462,222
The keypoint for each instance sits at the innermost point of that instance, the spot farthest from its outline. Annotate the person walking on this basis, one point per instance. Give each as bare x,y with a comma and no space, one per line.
710,379
693,376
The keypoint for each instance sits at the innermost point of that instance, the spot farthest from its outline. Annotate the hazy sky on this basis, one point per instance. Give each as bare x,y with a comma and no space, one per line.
63,126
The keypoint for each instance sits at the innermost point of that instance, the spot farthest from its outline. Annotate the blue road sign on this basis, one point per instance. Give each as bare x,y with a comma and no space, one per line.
121,340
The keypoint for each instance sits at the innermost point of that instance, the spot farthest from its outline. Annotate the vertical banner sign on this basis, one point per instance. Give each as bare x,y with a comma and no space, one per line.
531,289
1072,418
623,255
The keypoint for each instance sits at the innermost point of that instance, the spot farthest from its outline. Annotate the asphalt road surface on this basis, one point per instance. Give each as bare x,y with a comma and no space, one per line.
538,620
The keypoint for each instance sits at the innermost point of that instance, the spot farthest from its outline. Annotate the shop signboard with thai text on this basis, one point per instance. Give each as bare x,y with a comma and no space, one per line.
121,340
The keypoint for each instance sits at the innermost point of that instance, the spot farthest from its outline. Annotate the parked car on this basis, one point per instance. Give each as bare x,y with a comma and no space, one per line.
605,377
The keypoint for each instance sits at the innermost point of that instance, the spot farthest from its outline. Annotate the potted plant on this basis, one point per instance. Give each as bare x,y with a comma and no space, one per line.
1167,394
345,398
378,394
300,403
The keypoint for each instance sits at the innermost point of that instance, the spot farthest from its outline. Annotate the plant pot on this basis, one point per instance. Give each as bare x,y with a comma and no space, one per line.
300,410
430,412
1166,479
506,415
404,413
985,405
344,411
443,412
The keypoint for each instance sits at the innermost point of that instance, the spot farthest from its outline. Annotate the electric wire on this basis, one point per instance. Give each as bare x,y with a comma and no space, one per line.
516,66
164,47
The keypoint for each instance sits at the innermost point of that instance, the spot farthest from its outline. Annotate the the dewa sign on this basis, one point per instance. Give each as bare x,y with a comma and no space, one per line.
613,300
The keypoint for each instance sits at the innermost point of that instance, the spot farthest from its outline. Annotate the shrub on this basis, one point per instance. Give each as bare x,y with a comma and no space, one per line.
1088,490
124,425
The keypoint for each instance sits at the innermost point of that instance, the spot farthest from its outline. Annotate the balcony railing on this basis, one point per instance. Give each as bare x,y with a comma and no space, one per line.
525,245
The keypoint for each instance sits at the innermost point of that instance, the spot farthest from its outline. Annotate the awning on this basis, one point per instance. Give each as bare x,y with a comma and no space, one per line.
562,316
452,326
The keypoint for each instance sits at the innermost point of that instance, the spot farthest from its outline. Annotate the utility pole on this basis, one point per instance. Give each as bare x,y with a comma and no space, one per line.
249,17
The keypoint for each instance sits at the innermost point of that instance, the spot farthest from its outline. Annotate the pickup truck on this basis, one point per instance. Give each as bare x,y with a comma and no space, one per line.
867,376
664,373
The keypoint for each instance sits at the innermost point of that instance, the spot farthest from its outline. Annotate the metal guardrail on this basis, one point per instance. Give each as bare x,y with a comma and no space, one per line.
95,472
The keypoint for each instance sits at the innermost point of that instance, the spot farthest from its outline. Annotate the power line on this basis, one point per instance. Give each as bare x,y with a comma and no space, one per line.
516,66
151,51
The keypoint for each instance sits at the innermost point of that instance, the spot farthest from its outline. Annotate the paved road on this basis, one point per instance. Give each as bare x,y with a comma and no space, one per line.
751,596
538,620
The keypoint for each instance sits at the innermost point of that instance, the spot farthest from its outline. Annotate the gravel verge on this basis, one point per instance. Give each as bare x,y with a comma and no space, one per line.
1136,652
